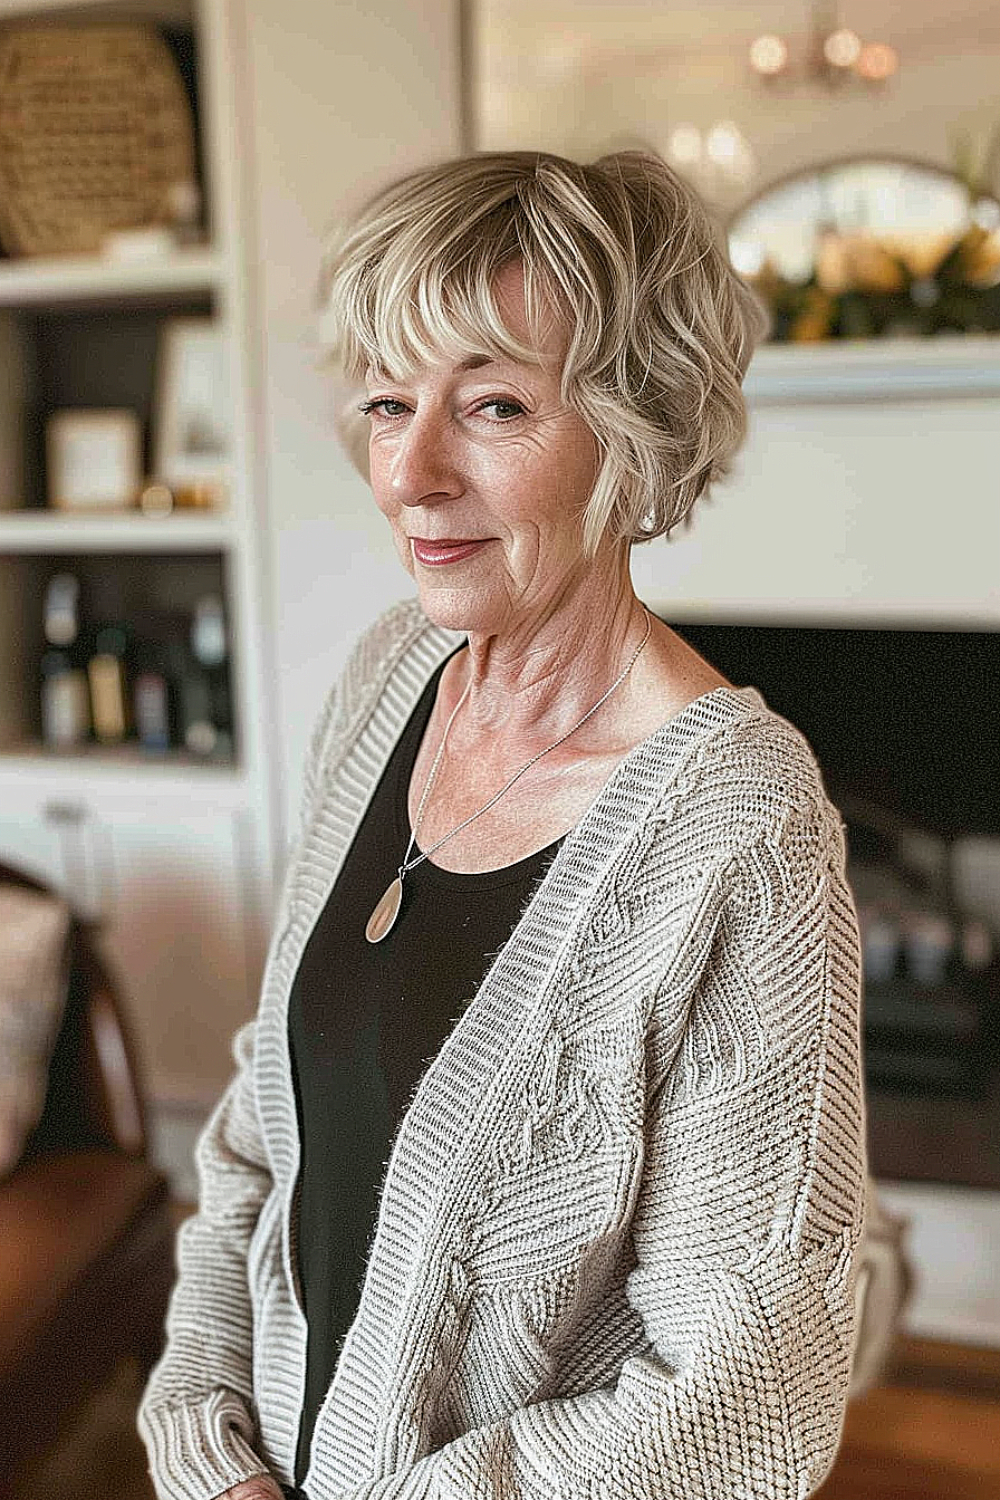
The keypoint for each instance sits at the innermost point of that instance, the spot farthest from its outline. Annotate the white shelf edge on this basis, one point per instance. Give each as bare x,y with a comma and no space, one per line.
73,778
72,278
880,369
43,531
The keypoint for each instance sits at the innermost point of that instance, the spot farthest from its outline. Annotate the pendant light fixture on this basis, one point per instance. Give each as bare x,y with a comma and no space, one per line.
834,55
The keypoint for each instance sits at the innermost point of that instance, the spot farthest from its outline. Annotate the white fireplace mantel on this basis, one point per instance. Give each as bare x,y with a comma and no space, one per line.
947,365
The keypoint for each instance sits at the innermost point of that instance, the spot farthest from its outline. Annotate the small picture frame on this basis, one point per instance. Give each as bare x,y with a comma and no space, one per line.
192,443
93,459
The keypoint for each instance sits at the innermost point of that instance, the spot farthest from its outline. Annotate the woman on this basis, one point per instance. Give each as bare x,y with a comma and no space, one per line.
543,1171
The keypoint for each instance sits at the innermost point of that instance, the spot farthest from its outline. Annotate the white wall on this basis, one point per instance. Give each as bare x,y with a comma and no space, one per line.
845,512
340,98
582,78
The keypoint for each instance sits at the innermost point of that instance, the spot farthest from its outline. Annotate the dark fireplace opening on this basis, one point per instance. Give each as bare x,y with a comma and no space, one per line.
904,724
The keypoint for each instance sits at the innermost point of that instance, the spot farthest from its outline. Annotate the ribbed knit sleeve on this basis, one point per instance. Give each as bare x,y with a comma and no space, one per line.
747,1224
195,1416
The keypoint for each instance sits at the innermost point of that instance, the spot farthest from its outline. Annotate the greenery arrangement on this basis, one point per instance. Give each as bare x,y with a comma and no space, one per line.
865,287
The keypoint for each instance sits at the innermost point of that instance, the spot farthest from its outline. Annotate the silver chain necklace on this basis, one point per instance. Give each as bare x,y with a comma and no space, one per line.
383,918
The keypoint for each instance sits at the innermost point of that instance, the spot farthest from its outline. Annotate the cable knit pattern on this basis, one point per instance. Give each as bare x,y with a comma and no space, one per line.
618,1234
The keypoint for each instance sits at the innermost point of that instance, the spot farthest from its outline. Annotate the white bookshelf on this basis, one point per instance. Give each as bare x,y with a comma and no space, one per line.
174,856
78,776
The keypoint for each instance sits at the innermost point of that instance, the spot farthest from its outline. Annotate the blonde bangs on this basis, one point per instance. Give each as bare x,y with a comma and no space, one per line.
410,293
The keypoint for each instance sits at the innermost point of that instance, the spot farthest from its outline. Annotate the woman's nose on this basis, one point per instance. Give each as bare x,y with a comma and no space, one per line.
423,468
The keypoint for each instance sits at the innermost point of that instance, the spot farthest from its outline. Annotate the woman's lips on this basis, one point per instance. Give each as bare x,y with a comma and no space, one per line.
450,550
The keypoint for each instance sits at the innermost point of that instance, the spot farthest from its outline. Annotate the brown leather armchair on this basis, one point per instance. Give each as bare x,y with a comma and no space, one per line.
86,1237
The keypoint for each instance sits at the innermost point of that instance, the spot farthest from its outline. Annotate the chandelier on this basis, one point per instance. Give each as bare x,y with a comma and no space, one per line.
834,55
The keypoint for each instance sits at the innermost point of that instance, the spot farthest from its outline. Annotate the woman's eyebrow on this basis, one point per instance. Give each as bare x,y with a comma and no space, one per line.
474,362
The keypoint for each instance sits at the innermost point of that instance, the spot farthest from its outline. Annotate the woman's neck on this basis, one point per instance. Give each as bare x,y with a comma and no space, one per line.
537,680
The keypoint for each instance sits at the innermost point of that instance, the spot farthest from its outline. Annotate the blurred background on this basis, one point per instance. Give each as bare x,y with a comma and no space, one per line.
186,556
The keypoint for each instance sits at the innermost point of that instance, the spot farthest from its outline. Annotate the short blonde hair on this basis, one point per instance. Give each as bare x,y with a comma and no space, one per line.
660,327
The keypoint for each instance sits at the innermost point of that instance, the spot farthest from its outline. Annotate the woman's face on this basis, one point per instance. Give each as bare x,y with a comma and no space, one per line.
482,473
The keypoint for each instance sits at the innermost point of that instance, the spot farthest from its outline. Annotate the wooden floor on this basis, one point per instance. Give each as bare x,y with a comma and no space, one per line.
906,1443
931,1433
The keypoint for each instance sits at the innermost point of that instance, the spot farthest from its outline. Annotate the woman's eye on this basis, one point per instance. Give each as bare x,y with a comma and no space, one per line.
385,406
504,410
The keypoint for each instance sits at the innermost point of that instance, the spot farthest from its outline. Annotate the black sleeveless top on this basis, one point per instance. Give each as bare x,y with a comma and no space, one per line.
365,1020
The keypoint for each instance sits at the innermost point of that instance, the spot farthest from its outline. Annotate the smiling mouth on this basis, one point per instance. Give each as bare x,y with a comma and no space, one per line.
448,549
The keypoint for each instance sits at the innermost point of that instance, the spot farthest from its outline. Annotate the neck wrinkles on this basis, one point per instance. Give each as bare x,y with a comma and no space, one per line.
541,681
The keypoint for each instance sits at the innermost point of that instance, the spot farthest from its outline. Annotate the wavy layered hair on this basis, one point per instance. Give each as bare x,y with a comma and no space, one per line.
659,328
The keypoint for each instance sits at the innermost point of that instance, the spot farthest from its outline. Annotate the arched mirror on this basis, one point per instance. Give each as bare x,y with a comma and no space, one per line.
872,248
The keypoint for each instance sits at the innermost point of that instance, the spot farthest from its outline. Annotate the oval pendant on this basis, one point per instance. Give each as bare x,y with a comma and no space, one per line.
381,920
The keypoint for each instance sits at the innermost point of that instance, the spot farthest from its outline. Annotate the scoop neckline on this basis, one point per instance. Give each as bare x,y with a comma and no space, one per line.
499,875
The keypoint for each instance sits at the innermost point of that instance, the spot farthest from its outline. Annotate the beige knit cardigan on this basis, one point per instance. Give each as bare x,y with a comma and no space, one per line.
617,1242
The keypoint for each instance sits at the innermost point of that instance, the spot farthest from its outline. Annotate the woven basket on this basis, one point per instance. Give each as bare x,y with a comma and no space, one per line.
95,134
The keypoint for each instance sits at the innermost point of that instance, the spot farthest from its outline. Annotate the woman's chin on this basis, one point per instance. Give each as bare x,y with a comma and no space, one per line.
454,608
